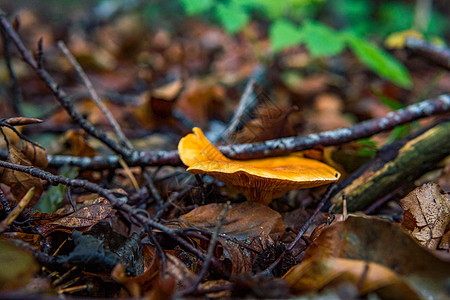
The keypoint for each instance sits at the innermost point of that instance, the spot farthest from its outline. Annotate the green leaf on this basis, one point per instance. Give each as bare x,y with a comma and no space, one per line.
284,34
232,17
193,7
379,61
52,199
322,40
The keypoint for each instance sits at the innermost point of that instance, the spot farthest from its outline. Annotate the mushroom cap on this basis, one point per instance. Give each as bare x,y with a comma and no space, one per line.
260,180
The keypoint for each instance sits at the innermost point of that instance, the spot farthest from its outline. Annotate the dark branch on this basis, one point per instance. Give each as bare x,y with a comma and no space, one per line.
57,91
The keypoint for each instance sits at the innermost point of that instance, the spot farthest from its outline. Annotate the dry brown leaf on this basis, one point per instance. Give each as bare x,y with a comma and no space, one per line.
201,101
35,154
250,223
77,145
426,214
84,217
314,275
22,121
375,240
327,114
19,182
271,122
168,91
243,221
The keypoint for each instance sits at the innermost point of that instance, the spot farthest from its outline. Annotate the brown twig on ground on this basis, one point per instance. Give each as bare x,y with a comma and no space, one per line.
440,55
118,203
283,146
210,253
308,223
275,147
95,96
364,129
17,210
58,92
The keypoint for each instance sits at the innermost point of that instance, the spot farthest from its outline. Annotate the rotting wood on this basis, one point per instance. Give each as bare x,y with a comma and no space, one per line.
397,163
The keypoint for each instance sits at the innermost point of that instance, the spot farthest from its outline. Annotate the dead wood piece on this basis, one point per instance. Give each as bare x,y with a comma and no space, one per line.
395,164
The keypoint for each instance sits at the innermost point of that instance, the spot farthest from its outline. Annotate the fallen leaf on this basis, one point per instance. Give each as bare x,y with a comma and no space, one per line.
426,214
313,275
20,182
202,101
243,221
375,240
16,266
84,217
75,141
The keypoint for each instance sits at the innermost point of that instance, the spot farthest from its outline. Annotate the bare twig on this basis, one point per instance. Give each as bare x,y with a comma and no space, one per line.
308,223
58,92
95,96
152,188
118,203
247,103
283,146
17,210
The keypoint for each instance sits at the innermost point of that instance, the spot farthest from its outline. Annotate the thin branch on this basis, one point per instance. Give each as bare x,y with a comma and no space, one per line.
311,219
58,92
95,96
283,146
364,129
116,202
17,210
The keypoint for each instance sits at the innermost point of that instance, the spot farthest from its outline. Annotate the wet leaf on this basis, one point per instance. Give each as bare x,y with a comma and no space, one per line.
375,240
100,249
426,214
16,266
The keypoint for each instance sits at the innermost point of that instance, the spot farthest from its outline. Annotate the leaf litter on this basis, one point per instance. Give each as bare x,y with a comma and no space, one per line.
159,84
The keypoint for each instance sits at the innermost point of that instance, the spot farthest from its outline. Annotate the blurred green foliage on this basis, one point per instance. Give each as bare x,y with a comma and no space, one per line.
325,27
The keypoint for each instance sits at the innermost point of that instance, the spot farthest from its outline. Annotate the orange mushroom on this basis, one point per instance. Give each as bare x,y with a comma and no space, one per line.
259,180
